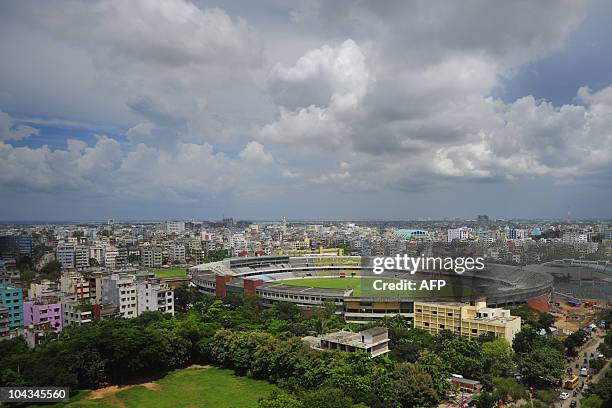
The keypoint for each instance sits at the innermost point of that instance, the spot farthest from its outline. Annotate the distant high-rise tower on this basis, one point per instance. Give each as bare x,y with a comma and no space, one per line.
483,220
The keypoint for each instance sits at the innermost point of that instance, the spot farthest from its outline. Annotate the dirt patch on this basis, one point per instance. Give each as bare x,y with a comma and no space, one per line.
197,366
114,389
152,386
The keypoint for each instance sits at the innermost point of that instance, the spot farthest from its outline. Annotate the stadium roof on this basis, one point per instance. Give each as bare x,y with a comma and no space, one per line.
411,233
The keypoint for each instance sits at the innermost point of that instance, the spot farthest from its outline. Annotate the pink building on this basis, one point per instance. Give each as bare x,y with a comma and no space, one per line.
41,310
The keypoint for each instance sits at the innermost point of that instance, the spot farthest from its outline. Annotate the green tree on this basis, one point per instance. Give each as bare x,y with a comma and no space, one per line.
603,388
597,364
280,400
525,340
52,270
27,276
508,389
574,341
546,320
184,298
414,386
497,357
438,369
485,400
592,401
547,396
327,398
543,366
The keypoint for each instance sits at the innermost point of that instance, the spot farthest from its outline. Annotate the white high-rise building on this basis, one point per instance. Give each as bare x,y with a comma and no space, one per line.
110,256
176,227
154,295
81,256
459,234
119,289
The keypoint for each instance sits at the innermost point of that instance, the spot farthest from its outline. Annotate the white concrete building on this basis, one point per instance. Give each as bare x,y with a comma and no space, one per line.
110,256
176,227
119,289
81,256
154,295
75,312
459,234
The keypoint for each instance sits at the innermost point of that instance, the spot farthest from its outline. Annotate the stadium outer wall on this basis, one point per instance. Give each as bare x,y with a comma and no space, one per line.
500,285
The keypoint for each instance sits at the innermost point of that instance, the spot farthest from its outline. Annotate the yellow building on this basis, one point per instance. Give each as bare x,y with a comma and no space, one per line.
468,320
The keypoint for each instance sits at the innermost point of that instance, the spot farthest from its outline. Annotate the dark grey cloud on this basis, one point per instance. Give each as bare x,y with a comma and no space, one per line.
230,108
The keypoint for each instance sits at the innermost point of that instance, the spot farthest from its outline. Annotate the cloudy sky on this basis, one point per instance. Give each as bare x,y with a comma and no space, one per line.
308,109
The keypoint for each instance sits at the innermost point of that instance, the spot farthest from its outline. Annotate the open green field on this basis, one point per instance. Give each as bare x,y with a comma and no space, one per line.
170,272
364,287
191,387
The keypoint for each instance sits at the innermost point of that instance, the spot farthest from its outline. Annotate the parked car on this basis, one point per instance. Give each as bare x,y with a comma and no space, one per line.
573,404
564,395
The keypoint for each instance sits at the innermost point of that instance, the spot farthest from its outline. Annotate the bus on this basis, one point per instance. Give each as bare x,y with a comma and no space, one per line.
571,383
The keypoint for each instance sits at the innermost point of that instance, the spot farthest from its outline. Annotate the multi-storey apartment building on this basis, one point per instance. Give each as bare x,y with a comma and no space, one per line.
96,252
81,256
8,275
65,256
15,245
75,311
12,298
154,295
178,253
75,283
43,288
458,234
119,289
516,233
110,256
151,256
4,321
47,309
469,320
175,227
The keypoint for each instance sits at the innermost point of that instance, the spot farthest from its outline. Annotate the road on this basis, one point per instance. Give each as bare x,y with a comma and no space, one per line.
590,347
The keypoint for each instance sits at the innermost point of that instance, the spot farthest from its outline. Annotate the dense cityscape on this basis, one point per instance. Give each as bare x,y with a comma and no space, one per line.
60,281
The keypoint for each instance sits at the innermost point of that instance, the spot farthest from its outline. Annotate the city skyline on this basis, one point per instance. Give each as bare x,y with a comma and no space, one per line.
310,110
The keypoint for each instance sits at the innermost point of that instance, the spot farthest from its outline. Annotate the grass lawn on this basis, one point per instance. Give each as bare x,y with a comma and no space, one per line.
364,287
170,272
190,387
